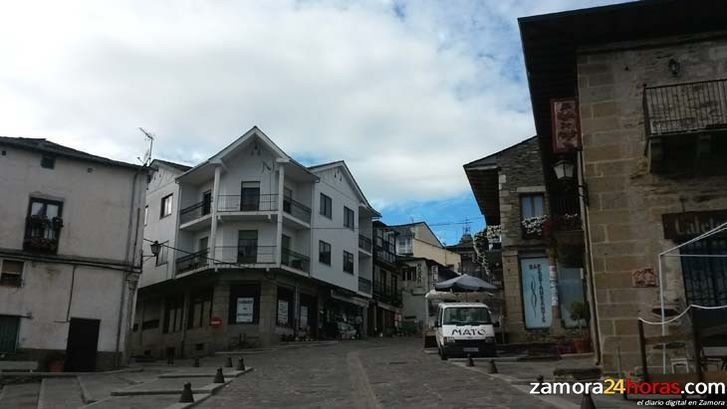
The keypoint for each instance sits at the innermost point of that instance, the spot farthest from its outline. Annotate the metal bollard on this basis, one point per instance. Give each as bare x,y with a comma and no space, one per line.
241,364
219,378
187,396
493,368
470,361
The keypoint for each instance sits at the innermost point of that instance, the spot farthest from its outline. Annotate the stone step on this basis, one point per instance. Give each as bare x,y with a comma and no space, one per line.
20,396
60,393
97,387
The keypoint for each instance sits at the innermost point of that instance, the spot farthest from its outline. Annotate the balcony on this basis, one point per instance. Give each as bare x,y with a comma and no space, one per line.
41,234
685,108
295,260
248,203
195,211
192,261
364,243
364,285
247,255
296,209
387,294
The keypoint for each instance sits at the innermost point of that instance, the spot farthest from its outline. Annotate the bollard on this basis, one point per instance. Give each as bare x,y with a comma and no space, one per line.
241,364
493,368
229,362
219,378
470,361
587,402
187,396
540,378
196,363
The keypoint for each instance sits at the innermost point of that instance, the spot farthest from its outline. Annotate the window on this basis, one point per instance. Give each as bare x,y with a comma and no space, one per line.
247,247
324,252
9,325
287,199
531,206
200,309
409,273
206,202
348,216
347,262
166,208
163,256
11,273
284,316
43,226
250,196
244,304
404,245
326,206
48,162
146,214
173,314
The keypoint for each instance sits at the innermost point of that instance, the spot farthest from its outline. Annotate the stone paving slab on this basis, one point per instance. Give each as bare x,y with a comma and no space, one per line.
21,396
207,374
170,386
60,393
97,387
145,402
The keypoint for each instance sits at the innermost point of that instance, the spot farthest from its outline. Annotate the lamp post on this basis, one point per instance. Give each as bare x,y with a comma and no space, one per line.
156,248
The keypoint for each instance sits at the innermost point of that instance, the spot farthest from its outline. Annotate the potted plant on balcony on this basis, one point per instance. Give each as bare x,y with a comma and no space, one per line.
533,226
580,313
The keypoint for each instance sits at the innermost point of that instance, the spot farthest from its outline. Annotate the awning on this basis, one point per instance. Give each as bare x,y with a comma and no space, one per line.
360,302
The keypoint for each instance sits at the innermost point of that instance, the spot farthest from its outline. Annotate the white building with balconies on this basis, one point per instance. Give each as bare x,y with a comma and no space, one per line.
257,248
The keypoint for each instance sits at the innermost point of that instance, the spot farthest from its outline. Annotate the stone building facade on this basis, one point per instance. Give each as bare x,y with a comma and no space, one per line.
510,189
653,115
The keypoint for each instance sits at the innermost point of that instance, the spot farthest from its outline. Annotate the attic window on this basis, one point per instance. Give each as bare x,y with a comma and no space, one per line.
48,162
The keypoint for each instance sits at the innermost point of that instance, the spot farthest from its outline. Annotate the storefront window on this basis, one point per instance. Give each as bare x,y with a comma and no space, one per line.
244,304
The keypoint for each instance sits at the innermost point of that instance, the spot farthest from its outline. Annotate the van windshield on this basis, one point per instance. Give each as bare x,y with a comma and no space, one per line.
466,316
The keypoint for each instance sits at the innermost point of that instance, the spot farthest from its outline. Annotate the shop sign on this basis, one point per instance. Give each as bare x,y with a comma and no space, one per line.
688,225
282,312
303,317
536,292
566,127
245,310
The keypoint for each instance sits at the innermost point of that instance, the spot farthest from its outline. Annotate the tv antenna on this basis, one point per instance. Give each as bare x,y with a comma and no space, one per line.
147,155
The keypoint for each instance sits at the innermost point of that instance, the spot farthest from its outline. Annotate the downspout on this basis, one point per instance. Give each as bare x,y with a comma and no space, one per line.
131,262
590,282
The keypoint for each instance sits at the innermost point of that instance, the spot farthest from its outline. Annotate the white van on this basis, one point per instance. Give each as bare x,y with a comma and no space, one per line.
465,329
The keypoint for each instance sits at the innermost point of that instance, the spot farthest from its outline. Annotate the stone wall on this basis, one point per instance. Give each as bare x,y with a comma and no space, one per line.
627,201
520,172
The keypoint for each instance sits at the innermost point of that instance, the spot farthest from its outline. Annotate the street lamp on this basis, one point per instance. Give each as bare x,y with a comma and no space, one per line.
156,248
565,172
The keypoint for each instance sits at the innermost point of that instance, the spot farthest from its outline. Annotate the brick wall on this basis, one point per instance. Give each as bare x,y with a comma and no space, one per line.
626,200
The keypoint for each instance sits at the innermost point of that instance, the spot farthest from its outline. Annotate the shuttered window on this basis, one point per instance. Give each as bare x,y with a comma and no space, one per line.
9,325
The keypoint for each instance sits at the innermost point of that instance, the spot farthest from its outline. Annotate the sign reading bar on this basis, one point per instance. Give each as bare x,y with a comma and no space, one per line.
684,226
537,295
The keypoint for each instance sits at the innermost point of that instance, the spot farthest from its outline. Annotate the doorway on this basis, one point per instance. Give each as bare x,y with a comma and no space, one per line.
82,345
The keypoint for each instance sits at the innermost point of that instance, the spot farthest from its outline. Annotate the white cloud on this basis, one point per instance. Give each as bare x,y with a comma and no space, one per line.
406,101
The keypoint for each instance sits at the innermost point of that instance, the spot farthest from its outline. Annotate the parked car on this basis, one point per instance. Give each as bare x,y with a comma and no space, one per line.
346,331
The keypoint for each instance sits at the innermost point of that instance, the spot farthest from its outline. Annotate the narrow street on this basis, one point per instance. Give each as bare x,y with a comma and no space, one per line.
377,373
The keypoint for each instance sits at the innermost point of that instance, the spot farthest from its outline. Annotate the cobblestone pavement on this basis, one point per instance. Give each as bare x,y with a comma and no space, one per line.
371,374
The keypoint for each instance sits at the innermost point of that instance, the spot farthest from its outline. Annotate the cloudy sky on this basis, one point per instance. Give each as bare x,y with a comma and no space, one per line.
405,91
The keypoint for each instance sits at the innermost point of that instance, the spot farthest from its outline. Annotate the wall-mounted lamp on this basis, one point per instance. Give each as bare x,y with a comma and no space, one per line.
156,248
564,172
675,67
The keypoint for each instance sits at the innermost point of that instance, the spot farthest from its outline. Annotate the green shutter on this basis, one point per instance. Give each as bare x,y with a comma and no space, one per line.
8,332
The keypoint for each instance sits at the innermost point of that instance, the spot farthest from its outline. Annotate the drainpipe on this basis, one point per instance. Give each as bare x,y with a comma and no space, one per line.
590,282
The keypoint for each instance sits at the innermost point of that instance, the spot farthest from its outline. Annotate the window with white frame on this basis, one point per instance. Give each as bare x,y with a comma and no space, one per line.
166,208
11,273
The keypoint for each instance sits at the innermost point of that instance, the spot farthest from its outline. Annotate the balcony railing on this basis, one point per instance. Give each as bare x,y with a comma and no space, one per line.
384,254
195,211
192,261
41,234
364,243
296,209
687,107
295,260
247,203
387,294
364,285
245,255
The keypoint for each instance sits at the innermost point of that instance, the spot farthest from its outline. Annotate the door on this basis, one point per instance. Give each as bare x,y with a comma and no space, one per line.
247,247
82,345
705,278
287,199
206,202
285,253
536,292
250,196
9,325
